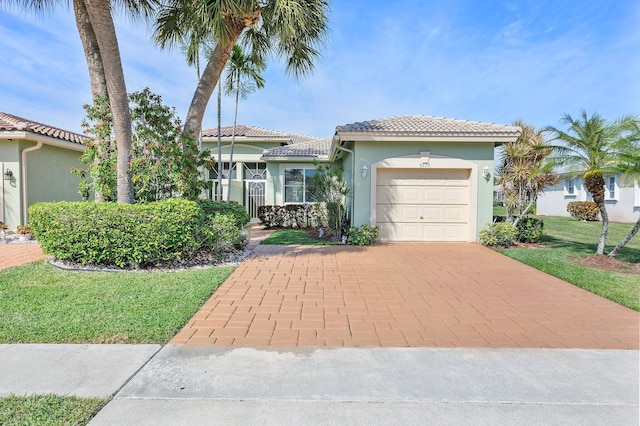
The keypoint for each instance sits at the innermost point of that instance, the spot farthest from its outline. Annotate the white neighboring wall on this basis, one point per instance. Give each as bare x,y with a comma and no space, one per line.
622,201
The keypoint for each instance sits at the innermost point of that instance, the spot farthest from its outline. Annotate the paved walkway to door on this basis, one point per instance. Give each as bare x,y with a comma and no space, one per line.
404,295
19,254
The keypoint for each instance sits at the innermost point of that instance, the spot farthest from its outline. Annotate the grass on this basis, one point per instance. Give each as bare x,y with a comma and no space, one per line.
565,238
48,410
293,237
42,304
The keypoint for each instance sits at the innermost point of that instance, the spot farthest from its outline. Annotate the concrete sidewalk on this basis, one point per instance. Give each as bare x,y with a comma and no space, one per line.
209,384
91,371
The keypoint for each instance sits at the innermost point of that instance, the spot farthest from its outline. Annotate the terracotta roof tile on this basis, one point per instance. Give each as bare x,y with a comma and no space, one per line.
10,122
244,131
423,125
311,147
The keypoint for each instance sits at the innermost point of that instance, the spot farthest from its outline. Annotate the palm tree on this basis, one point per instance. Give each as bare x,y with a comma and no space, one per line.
97,34
290,29
628,164
522,171
587,147
243,78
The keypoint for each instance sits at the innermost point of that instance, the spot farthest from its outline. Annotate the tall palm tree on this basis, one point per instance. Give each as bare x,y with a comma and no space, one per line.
627,162
243,78
522,172
290,29
587,148
97,34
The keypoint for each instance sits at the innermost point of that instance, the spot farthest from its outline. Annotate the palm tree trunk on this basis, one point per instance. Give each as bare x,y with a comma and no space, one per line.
97,79
102,22
219,188
605,228
625,240
233,139
208,81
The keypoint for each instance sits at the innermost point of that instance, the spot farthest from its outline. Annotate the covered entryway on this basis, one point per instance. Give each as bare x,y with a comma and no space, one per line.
423,204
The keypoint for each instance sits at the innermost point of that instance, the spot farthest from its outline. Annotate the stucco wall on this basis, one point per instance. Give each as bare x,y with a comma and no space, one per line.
48,174
368,153
10,190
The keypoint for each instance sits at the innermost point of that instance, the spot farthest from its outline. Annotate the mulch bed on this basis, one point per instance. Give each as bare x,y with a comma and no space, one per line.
607,263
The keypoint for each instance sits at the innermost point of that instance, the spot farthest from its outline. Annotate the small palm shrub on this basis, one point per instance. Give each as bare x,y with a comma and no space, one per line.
364,235
499,234
584,210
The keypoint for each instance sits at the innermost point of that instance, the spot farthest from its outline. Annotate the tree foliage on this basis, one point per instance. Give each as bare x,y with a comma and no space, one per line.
164,158
329,187
523,173
587,149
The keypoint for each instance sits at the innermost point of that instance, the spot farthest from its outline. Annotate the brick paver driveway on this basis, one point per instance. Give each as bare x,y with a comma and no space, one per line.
19,254
404,294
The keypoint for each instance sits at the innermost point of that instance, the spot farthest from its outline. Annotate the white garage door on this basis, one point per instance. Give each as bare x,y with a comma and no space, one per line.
423,205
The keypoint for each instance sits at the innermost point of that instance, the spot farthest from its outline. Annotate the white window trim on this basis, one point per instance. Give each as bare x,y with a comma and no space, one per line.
568,194
285,166
616,188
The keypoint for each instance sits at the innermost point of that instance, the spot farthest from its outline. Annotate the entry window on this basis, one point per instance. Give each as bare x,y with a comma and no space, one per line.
297,185
255,171
213,172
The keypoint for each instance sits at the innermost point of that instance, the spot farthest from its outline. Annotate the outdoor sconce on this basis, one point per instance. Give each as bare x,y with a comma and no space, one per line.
486,173
8,175
364,170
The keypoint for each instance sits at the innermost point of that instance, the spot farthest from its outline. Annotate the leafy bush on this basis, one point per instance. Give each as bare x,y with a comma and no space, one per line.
215,208
222,230
299,215
584,210
501,234
530,229
125,235
364,235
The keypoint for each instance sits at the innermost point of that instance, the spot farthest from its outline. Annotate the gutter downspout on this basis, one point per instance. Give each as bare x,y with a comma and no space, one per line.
25,210
353,180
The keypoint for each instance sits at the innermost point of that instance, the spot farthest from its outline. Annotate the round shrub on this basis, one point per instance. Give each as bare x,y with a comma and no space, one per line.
364,235
500,234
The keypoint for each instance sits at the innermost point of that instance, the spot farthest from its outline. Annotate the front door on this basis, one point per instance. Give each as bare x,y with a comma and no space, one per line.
255,175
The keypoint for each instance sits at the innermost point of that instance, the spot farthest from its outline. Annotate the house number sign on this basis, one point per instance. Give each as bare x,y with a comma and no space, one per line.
424,164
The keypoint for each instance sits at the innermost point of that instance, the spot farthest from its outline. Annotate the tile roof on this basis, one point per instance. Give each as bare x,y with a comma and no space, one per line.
421,125
312,147
11,122
244,131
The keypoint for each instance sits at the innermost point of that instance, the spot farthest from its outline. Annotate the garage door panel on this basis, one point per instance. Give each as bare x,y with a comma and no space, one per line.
411,176
423,205
422,232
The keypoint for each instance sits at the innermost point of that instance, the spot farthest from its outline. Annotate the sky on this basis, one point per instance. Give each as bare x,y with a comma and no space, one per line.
480,60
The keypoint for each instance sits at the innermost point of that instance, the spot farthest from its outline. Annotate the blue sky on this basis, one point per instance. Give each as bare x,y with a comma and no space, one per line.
484,60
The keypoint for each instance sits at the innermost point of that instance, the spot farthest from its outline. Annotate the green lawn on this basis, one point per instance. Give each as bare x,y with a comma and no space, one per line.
565,238
293,237
48,410
42,304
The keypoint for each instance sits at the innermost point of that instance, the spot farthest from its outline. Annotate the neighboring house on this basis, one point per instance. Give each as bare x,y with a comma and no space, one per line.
35,162
622,200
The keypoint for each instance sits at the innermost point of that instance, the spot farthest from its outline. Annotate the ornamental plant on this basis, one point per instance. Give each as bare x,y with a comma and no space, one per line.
365,235
165,161
501,234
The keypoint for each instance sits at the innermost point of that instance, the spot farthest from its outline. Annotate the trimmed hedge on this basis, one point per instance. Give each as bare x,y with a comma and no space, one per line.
301,216
365,235
214,208
584,210
128,235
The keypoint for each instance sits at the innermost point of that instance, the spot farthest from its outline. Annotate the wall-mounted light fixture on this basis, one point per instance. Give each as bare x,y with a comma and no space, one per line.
486,173
8,174
364,170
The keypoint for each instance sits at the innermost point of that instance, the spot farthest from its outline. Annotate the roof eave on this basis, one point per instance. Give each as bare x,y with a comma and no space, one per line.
391,137
47,140
295,159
